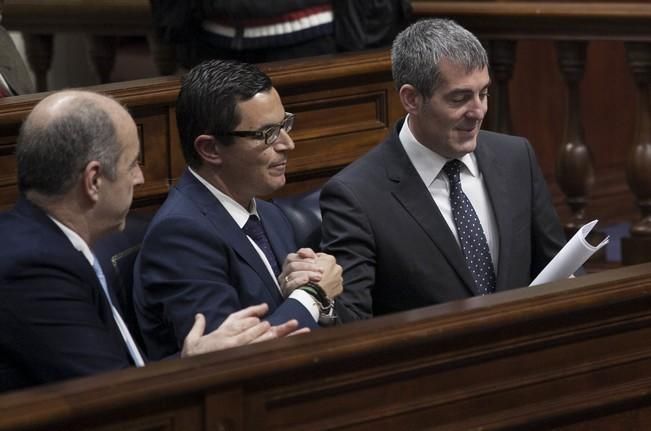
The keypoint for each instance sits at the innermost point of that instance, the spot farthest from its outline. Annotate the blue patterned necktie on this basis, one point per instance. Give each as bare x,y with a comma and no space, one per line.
254,229
471,235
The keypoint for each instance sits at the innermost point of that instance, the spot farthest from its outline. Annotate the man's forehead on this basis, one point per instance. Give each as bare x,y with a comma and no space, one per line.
63,102
459,76
261,107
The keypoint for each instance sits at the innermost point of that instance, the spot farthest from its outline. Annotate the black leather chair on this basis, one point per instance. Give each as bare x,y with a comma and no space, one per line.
304,214
117,254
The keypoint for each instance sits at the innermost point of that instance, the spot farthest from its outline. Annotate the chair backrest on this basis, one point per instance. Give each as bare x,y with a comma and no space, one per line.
117,254
304,214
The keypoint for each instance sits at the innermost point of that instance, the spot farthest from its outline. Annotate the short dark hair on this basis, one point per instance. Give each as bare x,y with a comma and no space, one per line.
208,100
52,154
418,50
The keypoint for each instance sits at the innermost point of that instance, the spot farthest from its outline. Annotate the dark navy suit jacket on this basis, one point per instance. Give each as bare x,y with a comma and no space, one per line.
195,259
397,251
55,322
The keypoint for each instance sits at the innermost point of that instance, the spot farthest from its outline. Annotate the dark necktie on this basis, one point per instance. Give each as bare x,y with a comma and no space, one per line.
471,235
253,228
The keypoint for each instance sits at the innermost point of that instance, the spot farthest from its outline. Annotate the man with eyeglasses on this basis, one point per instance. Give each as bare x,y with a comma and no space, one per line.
213,248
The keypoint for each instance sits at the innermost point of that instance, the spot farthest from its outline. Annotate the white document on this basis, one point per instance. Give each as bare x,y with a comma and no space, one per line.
571,257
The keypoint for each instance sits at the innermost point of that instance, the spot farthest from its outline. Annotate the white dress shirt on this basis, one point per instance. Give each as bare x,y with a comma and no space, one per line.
429,166
241,216
79,244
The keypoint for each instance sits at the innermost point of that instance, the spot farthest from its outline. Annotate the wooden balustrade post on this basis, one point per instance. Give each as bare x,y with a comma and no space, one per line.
637,248
574,168
501,54
101,50
38,49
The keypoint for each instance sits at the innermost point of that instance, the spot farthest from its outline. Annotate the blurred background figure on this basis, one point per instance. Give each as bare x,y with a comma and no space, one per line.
14,77
363,24
258,31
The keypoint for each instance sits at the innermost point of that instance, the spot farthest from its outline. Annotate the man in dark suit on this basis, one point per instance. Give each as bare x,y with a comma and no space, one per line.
440,210
77,155
14,76
213,247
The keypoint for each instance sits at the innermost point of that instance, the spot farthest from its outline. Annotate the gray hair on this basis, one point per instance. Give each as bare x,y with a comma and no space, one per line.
417,51
51,154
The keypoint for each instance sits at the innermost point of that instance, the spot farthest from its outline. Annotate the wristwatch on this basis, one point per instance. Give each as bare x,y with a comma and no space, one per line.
327,314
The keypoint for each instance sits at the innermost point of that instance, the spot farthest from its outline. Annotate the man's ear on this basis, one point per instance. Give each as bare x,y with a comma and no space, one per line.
92,180
410,98
207,148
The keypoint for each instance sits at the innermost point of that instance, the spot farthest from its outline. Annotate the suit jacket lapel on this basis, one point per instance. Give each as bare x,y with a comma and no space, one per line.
495,180
81,264
418,202
227,228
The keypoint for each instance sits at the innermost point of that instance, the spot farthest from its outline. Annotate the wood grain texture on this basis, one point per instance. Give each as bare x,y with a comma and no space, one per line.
553,356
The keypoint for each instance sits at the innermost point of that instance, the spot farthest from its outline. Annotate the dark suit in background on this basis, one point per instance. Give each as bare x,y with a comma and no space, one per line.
55,322
397,251
195,258
12,67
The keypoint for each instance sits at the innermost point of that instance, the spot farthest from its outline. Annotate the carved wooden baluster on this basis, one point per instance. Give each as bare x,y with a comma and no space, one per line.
502,59
101,50
38,49
637,248
574,168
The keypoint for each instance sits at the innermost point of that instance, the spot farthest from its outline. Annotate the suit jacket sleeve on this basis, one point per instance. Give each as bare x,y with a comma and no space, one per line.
347,234
54,326
547,236
186,270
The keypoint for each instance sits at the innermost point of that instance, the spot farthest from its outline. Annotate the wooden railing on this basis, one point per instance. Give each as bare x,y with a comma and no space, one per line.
569,355
101,21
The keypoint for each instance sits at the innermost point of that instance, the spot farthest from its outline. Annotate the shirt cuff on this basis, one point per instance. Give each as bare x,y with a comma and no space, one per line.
307,301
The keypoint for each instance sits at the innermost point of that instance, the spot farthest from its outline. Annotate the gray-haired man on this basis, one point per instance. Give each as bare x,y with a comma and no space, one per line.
440,210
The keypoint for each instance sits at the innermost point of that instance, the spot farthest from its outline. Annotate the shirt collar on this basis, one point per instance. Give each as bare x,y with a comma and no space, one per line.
77,242
238,212
428,163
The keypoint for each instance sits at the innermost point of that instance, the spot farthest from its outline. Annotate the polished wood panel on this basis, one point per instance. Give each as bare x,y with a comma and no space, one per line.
108,17
577,20
558,355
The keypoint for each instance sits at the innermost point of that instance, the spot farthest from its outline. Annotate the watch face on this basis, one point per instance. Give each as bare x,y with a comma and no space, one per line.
328,317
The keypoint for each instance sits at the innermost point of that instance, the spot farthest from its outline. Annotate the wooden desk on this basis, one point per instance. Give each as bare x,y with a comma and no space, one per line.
574,355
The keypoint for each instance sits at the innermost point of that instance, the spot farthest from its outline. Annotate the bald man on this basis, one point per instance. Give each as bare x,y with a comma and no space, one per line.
77,160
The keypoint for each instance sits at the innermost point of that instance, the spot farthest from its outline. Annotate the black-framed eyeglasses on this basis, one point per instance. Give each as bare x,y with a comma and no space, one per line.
270,134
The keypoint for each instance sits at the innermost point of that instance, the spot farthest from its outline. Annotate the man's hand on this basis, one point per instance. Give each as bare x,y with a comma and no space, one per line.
298,269
331,281
241,327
